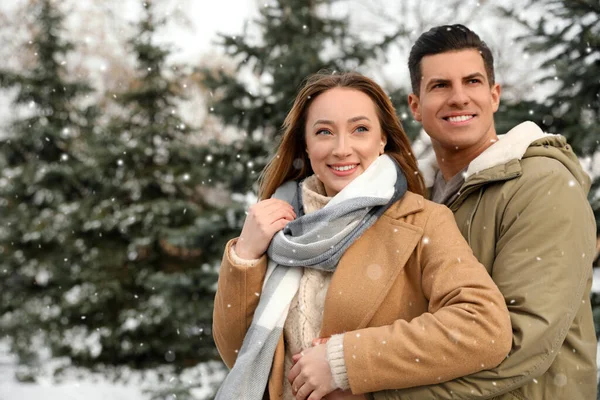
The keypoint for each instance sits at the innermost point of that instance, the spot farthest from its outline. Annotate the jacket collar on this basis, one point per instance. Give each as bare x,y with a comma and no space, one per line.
511,146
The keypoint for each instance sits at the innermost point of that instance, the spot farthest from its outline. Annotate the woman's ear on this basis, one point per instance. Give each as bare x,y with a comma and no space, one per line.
382,145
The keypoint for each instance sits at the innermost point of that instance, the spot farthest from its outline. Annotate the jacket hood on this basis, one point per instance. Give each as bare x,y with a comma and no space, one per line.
523,141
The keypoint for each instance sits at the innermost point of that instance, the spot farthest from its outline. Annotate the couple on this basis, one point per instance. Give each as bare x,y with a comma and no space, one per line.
346,283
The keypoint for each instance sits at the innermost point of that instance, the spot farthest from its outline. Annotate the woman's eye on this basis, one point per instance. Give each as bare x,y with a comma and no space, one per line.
323,132
362,129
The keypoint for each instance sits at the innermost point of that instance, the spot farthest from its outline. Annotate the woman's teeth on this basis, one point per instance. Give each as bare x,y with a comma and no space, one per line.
344,168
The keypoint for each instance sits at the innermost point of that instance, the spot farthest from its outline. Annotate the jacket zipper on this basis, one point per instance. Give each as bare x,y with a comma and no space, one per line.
472,216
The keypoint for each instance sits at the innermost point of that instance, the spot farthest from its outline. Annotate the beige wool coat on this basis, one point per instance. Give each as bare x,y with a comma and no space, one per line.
416,306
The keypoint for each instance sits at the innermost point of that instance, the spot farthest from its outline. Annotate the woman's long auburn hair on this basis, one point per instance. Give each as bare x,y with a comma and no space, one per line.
291,160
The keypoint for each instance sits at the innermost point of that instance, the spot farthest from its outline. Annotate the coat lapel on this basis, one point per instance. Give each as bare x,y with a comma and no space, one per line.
369,268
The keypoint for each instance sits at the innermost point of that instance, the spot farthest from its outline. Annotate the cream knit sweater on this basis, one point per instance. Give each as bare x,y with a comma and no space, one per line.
305,316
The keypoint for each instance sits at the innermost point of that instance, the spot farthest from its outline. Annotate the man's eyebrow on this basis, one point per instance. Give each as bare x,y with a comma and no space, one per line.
474,75
466,78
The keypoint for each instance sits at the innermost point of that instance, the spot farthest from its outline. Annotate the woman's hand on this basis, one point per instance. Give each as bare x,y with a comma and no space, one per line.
337,394
310,376
264,219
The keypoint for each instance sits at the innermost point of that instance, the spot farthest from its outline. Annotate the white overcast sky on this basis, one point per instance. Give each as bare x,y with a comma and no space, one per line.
210,17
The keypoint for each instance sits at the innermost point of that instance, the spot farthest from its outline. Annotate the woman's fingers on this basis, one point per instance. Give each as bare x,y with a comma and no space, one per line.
296,357
271,204
264,219
277,215
267,215
279,225
318,341
293,374
303,392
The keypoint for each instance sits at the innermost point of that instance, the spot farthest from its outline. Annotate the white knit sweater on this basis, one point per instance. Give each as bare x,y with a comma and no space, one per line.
303,323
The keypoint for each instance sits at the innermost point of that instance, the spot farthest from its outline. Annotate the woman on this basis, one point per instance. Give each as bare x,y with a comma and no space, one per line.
343,246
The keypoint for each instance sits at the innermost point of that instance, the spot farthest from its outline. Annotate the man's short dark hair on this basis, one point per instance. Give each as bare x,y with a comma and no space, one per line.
444,38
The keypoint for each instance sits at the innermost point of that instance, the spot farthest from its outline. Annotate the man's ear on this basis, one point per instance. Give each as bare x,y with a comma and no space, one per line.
495,90
415,106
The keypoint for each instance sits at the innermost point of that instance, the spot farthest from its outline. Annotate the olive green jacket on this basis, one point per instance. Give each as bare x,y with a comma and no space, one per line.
523,209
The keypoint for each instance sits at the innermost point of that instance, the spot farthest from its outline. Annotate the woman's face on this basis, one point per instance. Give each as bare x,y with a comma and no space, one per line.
343,136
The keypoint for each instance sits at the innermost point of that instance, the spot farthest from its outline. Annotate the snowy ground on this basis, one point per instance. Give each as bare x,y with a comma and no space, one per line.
46,390
89,386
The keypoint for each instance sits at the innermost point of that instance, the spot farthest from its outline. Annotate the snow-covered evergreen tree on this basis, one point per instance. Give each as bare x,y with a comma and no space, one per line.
567,38
155,236
44,182
110,231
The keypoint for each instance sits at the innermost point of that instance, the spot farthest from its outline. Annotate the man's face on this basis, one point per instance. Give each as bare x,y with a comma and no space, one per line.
456,104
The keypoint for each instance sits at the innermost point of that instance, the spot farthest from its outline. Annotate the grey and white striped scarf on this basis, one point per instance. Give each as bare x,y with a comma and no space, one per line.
317,240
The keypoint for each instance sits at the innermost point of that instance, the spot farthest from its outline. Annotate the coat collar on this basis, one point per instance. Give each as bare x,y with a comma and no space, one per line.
410,203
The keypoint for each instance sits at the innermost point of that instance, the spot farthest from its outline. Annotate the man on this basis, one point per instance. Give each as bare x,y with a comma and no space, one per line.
520,201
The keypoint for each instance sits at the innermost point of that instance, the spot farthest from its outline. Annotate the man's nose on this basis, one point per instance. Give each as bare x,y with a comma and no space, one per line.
458,96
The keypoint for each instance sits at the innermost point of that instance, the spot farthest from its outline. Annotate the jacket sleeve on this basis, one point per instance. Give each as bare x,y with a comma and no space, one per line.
466,329
236,299
544,253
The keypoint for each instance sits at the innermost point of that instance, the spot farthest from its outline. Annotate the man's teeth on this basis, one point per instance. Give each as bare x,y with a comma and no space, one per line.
344,168
461,118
